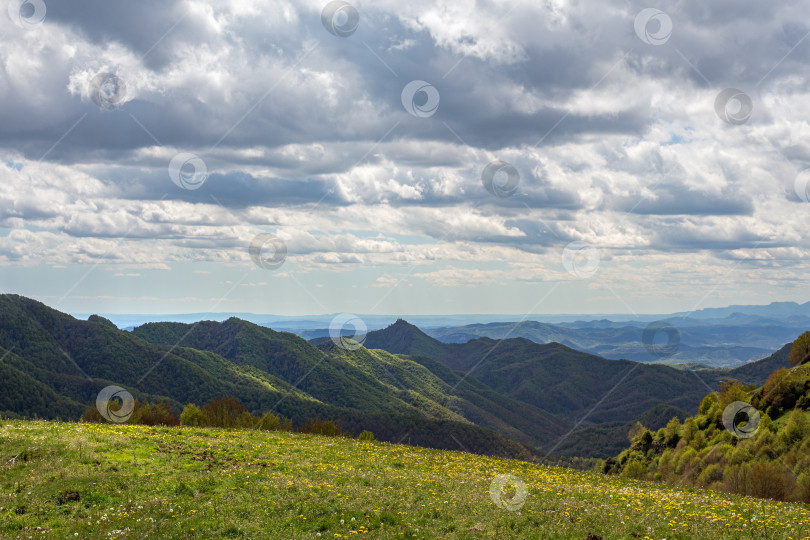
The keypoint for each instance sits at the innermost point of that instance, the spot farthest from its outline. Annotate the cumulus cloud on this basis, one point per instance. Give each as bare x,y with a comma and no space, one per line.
615,142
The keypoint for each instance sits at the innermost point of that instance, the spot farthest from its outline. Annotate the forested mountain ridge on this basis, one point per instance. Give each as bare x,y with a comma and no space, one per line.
603,398
368,380
510,397
58,364
552,376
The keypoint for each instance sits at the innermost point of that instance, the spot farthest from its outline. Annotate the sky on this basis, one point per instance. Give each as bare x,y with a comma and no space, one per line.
422,157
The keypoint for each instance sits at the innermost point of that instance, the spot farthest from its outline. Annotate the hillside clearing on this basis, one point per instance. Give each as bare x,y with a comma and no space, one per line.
113,481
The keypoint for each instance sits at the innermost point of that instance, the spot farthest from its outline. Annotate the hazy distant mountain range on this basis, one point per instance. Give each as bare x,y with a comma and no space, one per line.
715,337
512,397
719,342
779,311
727,344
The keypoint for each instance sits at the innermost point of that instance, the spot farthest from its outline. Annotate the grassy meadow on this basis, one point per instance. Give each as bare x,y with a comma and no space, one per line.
70,480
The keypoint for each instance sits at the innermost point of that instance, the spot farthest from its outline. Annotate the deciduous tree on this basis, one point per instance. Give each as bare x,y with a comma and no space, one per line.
800,351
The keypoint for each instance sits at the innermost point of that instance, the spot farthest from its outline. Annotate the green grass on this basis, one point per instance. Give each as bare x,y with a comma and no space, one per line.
60,480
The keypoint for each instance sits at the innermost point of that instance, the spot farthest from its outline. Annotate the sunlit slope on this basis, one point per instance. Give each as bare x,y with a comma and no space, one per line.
94,481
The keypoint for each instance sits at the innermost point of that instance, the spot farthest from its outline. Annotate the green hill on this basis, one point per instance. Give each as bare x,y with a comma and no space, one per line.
373,381
599,398
23,395
505,397
743,439
611,437
469,399
58,364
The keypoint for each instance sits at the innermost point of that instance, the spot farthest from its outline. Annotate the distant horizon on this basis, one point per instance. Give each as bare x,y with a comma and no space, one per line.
374,321
447,314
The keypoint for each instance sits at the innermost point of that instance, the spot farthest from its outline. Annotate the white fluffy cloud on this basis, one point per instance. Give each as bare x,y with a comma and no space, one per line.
616,141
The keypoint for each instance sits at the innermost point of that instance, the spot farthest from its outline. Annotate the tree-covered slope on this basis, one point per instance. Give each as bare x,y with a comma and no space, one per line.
372,381
419,378
553,377
757,372
58,364
743,439
404,385
21,394
599,398
326,375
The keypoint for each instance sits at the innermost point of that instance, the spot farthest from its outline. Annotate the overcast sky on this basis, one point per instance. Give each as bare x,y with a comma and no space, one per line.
421,157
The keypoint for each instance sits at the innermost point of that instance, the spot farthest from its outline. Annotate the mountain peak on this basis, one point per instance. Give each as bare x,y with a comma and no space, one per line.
406,330
235,322
402,323
404,338
98,319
